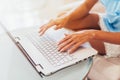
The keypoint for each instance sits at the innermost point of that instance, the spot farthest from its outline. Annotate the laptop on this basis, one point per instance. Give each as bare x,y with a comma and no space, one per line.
42,53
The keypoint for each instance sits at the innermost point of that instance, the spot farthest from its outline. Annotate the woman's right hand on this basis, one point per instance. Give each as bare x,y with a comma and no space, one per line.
59,22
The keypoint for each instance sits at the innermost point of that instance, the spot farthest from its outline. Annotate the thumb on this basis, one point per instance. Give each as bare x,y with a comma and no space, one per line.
58,27
66,34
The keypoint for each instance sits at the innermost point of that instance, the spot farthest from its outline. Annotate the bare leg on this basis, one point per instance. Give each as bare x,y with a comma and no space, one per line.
99,46
89,22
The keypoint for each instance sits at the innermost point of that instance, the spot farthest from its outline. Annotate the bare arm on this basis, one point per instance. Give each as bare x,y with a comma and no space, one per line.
79,12
76,39
82,10
110,37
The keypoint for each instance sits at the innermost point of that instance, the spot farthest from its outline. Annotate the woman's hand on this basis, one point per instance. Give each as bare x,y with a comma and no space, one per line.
59,22
72,42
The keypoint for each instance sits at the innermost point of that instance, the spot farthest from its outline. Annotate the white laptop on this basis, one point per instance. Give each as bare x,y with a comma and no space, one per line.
42,51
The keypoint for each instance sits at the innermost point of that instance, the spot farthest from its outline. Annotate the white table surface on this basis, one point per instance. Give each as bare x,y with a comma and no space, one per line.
14,65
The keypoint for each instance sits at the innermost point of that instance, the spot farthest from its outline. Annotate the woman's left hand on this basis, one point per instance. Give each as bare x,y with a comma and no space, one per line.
72,42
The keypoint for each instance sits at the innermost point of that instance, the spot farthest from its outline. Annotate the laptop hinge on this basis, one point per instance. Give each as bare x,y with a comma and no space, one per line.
25,53
39,68
17,39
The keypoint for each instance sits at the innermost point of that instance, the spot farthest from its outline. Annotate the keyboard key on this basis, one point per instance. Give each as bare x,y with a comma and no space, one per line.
48,48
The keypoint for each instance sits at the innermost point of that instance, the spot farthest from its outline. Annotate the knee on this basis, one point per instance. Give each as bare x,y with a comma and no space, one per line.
99,46
88,22
76,25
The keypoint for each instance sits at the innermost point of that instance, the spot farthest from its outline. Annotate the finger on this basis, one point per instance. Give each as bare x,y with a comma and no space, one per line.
75,47
65,48
66,34
42,31
64,39
41,28
46,26
64,44
58,27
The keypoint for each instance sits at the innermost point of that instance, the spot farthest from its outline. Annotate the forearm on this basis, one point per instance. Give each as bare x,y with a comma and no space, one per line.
110,37
82,10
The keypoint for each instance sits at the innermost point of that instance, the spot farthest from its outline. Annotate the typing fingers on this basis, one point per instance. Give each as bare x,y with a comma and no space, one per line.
66,47
74,47
72,42
62,47
44,27
64,39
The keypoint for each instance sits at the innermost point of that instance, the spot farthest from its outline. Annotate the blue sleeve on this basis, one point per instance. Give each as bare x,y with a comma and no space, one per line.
104,2
112,21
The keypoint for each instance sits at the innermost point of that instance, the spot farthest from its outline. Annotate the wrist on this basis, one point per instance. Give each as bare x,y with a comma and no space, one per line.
92,34
69,15
96,34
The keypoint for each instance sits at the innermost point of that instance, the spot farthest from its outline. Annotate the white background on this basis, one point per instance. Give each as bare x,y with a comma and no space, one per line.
24,13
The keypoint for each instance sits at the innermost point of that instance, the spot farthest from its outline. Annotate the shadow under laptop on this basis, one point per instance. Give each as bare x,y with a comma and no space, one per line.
23,70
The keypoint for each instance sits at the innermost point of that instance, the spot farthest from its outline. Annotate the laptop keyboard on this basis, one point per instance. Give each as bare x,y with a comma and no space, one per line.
48,48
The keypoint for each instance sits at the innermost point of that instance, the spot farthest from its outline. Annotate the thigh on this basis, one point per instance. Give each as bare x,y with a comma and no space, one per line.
99,46
105,69
88,22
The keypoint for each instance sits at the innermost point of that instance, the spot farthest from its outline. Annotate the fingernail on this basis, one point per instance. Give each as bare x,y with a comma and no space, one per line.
60,50
57,43
65,34
40,34
69,52
55,28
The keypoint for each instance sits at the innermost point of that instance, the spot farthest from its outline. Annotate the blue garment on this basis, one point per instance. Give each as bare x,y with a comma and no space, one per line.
112,16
